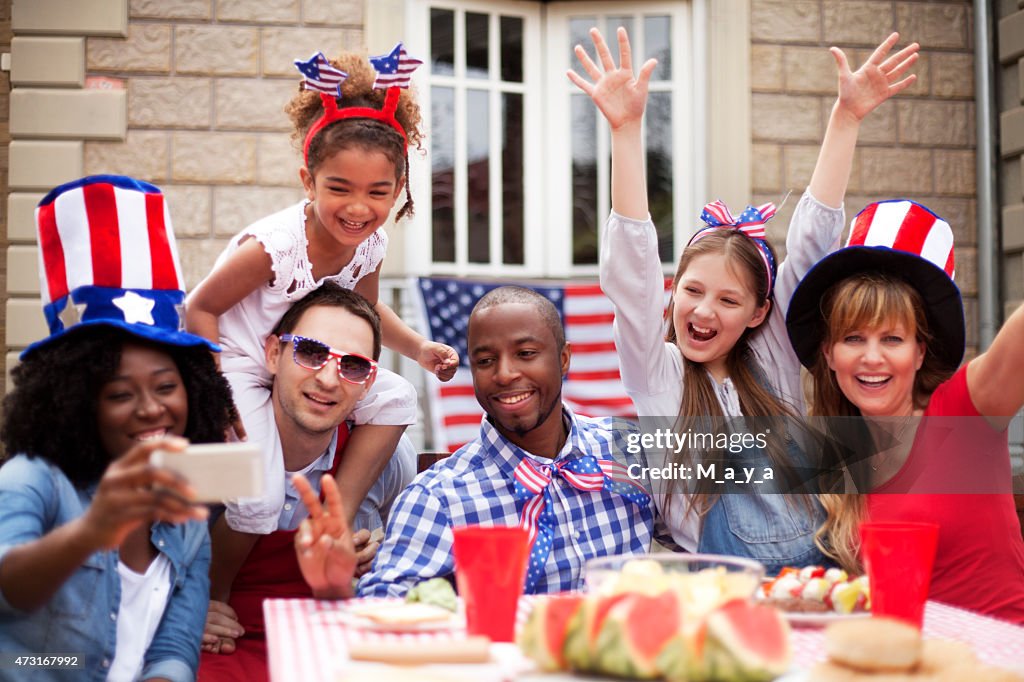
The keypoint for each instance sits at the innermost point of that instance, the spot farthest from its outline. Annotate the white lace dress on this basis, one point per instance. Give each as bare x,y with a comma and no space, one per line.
245,327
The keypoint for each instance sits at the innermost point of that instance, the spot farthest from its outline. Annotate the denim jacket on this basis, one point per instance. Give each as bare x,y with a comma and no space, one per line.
773,528
81,617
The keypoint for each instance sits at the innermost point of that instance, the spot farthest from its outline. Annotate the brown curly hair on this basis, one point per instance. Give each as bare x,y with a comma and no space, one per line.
305,108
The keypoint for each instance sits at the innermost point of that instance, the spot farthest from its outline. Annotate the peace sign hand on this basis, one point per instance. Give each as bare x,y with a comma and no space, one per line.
323,543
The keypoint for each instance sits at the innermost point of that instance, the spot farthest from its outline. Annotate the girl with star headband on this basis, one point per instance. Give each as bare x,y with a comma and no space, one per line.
726,354
354,120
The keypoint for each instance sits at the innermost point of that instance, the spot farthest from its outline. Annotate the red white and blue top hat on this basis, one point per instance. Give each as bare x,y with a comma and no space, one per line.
107,256
900,238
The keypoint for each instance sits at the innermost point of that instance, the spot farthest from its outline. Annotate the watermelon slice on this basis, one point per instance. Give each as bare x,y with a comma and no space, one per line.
746,641
635,632
543,635
580,646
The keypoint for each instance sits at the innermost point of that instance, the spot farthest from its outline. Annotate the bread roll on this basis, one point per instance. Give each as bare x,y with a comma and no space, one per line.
874,644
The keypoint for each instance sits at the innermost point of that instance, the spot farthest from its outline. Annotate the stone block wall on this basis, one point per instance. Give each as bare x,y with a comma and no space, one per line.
207,82
187,94
5,140
918,145
1010,78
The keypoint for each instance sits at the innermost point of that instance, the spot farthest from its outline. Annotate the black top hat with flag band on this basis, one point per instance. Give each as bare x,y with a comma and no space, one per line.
900,238
107,256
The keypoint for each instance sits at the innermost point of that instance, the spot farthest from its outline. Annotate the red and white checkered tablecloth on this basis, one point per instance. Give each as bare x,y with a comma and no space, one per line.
306,639
995,642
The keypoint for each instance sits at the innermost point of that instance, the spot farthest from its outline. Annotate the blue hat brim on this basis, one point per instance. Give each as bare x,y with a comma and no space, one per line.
943,303
144,332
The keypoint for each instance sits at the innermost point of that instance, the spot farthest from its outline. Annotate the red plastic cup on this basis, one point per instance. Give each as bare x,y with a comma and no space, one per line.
490,568
898,558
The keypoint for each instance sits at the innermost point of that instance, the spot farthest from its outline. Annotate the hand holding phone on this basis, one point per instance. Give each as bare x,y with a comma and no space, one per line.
217,471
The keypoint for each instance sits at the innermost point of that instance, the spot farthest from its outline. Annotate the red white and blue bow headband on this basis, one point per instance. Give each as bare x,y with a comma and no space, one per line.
394,71
717,216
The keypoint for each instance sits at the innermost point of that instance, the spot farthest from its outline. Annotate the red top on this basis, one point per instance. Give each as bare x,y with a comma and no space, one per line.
979,563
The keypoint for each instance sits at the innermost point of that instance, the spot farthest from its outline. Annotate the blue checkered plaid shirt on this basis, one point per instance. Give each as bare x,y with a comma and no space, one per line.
475,486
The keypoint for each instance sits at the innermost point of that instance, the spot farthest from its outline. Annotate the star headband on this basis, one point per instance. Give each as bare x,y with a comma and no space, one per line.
751,223
394,71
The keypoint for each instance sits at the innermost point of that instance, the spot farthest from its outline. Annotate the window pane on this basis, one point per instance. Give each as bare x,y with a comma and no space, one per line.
512,179
584,180
579,34
611,32
442,165
476,45
656,35
478,156
512,49
442,42
659,169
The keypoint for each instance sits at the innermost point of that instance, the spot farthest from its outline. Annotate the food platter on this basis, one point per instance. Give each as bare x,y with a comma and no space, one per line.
820,620
397,615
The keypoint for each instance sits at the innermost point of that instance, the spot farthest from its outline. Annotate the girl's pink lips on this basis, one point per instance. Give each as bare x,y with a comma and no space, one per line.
354,226
698,338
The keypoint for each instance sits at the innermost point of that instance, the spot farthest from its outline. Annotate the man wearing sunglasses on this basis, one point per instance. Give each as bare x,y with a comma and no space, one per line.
535,463
323,359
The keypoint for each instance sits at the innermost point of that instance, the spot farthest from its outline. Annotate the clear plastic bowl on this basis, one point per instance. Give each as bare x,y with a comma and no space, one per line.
697,575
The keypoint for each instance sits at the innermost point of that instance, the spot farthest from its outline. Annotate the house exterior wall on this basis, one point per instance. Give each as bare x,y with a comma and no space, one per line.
1010,94
192,101
199,112
919,145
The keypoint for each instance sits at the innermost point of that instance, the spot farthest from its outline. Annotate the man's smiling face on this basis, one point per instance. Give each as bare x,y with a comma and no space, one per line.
517,371
317,401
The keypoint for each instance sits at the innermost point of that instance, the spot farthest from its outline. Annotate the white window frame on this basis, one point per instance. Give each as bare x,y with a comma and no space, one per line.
547,193
687,86
420,259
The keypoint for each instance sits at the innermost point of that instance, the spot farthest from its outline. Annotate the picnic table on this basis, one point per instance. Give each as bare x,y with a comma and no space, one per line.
307,640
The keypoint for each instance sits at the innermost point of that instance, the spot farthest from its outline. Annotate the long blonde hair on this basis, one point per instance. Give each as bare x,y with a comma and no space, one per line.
864,301
700,405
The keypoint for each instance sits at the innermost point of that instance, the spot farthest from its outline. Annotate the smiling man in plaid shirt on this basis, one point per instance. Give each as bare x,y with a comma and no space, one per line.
535,464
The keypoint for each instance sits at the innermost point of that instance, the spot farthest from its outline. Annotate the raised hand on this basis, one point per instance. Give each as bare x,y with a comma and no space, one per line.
878,79
619,94
324,544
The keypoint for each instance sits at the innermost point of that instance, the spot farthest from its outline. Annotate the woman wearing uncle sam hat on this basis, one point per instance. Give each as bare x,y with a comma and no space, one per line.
101,555
880,324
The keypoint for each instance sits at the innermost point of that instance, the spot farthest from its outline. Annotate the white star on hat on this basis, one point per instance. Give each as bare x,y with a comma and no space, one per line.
137,309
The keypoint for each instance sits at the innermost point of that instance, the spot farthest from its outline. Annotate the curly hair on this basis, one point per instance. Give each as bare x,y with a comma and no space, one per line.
305,108
52,411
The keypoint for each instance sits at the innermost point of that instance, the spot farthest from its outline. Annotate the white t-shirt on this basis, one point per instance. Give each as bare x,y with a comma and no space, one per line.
143,600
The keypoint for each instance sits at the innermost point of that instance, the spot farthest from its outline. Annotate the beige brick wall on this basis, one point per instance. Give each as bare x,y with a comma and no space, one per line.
920,145
6,36
206,83
1010,15
200,113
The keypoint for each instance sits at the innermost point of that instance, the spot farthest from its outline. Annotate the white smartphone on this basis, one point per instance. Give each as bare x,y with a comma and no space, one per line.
217,471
